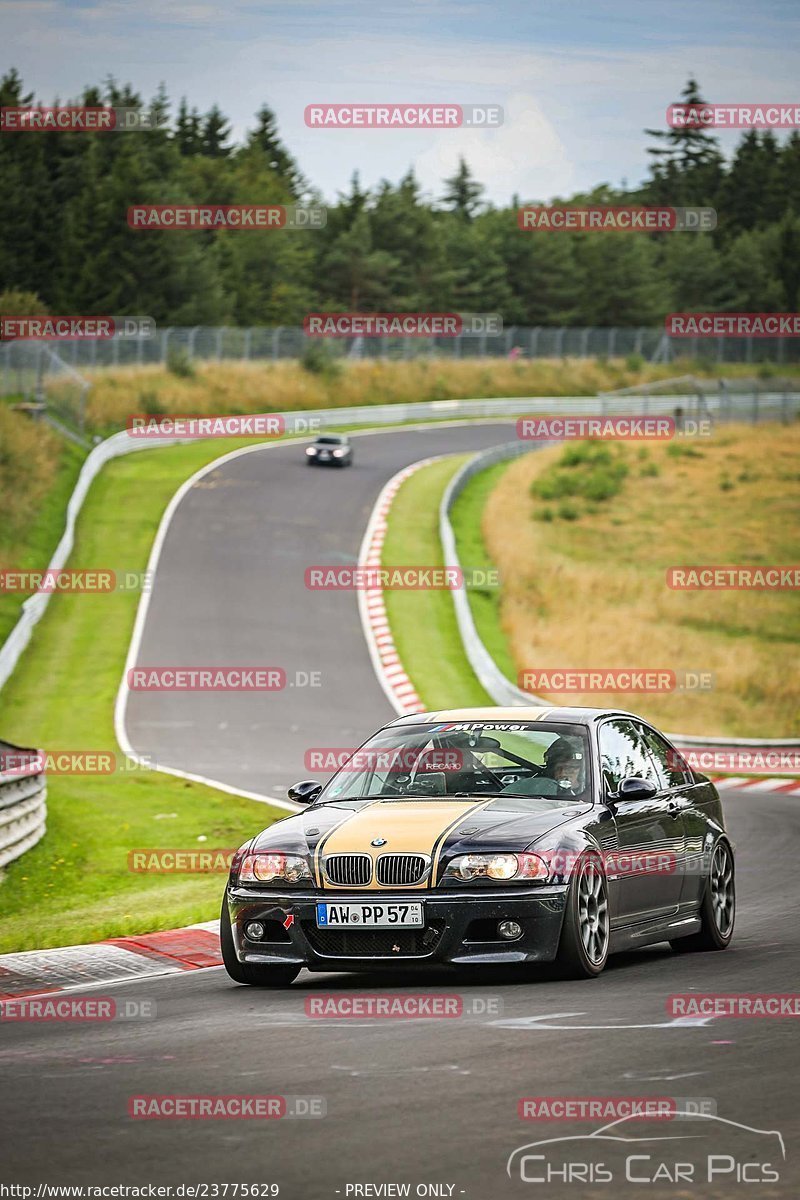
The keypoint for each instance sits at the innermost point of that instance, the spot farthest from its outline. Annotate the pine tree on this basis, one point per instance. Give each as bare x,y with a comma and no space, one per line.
215,133
687,166
462,194
188,130
265,137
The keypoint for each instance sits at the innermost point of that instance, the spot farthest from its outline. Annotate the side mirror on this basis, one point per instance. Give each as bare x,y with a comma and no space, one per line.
634,787
304,792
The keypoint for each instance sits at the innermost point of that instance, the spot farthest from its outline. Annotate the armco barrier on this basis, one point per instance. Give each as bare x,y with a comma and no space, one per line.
492,679
23,808
732,407
384,414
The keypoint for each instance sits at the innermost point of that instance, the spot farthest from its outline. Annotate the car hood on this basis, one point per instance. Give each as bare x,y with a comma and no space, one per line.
419,826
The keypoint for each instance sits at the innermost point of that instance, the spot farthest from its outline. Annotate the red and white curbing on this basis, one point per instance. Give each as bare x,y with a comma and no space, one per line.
167,952
785,787
390,671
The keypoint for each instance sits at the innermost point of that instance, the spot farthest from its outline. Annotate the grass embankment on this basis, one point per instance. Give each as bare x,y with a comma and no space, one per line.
38,470
233,387
61,697
423,623
583,536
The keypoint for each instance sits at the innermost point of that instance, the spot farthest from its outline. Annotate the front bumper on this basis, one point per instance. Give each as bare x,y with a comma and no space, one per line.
459,929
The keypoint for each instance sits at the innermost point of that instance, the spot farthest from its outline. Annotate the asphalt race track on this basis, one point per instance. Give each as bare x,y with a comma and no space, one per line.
417,1101
423,1101
230,590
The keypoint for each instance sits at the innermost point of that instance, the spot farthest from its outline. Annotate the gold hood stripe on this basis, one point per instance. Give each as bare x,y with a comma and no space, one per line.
409,826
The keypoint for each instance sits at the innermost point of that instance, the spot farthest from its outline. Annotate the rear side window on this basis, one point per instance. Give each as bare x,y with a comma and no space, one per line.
671,766
622,753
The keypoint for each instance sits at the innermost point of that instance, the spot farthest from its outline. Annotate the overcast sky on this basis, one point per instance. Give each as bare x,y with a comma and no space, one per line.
579,80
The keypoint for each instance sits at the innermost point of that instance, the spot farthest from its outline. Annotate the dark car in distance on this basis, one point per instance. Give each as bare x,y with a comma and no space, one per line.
486,836
330,450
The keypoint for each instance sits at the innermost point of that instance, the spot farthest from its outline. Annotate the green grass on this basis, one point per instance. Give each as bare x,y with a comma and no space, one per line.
62,696
31,548
423,623
76,880
466,516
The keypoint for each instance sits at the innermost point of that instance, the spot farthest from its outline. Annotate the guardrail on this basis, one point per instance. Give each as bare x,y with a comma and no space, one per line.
492,679
330,418
775,405
23,801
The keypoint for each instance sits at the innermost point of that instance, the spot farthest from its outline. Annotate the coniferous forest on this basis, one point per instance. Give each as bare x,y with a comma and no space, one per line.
64,237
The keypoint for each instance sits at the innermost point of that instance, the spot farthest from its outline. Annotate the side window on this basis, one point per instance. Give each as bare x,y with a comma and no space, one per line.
622,754
671,765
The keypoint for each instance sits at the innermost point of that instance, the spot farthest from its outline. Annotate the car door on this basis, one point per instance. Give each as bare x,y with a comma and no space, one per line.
679,787
650,832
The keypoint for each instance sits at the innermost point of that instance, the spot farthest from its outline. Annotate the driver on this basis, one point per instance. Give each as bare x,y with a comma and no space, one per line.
564,762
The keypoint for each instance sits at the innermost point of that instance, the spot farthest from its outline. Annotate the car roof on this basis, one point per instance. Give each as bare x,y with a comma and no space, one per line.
571,715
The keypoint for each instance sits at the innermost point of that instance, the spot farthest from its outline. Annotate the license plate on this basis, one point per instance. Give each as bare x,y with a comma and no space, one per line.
334,916
324,454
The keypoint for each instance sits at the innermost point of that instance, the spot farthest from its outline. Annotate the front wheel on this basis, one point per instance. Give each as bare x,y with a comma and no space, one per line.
718,909
257,975
585,934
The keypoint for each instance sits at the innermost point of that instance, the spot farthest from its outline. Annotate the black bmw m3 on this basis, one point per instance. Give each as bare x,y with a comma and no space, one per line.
486,836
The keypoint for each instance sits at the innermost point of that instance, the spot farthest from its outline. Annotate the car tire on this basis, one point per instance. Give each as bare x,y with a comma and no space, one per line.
586,931
718,907
255,975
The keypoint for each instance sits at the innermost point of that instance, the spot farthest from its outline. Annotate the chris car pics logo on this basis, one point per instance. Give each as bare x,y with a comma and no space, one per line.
703,1149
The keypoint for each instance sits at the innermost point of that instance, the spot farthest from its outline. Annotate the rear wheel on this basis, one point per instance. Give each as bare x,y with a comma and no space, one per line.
585,934
718,909
257,975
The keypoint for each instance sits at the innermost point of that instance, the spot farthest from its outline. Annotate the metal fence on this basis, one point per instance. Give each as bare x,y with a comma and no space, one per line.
37,372
178,345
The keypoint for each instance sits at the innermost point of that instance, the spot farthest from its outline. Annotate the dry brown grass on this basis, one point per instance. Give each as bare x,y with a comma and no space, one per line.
286,386
29,457
592,592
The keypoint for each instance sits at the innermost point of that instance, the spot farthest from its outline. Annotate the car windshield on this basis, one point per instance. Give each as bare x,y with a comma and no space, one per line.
330,441
477,758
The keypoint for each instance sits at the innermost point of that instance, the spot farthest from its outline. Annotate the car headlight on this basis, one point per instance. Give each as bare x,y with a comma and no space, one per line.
497,866
274,868
339,453
311,449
